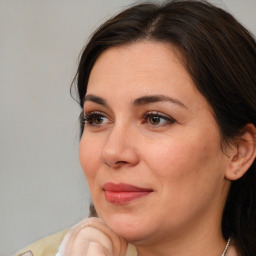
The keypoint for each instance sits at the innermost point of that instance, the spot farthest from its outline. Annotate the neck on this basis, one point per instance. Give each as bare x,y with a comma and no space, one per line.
199,239
204,246
231,250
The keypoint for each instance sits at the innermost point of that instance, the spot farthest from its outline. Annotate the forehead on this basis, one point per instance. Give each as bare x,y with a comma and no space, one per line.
138,58
142,68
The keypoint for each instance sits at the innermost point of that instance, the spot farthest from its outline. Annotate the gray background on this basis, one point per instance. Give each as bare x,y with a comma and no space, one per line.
42,189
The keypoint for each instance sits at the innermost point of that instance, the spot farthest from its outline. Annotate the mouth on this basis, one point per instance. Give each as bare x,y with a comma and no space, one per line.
123,193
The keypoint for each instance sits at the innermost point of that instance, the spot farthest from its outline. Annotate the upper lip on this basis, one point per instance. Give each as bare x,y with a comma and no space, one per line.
122,187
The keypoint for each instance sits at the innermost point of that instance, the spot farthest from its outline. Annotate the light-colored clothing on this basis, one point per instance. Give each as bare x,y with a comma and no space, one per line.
48,246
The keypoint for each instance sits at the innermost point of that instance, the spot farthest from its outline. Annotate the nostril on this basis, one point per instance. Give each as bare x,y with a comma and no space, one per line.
121,162
117,164
107,164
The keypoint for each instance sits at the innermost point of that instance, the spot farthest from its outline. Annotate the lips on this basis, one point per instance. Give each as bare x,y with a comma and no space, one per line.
123,193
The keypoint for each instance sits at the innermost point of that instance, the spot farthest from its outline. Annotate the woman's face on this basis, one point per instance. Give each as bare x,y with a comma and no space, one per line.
151,148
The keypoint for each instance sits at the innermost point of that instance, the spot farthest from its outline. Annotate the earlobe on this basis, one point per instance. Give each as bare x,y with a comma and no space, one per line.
244,154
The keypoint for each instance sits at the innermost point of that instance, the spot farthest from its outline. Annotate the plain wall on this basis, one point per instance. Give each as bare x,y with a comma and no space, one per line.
42,188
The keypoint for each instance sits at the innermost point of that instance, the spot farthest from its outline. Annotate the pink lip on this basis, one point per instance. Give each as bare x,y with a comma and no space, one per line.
123,193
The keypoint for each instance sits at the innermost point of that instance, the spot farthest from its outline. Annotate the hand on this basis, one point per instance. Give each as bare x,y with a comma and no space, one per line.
91,237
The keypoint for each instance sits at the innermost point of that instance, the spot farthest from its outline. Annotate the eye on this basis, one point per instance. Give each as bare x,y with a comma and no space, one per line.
157,119
95,119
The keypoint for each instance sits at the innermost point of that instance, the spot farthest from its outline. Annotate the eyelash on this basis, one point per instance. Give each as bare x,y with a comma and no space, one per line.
90,118
167,119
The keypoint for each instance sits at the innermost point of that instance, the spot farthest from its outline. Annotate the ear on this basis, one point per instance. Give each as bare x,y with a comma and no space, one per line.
244,153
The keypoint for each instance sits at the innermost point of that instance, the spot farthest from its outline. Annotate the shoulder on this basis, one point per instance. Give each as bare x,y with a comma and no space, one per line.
48,245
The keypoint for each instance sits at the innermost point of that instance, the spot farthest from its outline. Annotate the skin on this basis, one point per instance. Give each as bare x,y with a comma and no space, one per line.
92,237
178,155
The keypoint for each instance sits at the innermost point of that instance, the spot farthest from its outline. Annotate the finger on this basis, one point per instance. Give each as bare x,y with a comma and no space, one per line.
93,230
119,245
96,249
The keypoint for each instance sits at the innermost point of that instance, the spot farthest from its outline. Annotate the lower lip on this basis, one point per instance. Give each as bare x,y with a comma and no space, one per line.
124,197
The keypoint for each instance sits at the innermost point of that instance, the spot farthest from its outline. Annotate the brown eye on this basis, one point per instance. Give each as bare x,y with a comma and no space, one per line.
157,119
95,119
154,120
98,120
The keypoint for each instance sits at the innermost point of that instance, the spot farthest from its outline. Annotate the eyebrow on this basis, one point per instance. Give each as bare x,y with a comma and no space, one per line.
157,98
95,99
144,100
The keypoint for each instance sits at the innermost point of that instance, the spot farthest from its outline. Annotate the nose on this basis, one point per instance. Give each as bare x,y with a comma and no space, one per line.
120,148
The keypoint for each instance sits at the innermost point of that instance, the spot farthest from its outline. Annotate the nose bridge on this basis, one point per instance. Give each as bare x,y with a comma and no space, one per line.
119,146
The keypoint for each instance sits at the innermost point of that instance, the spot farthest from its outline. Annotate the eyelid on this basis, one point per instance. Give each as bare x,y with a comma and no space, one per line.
167,118
88,116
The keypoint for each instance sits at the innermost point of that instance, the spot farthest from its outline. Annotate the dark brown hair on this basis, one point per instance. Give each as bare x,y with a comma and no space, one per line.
220,55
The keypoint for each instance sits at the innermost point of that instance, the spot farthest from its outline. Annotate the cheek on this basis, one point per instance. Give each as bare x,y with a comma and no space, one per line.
186,175
89,155
183,159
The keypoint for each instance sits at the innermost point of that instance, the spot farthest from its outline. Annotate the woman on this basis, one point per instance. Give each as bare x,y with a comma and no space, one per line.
168,98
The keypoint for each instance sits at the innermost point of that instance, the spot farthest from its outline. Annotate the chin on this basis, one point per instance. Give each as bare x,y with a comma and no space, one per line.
128,227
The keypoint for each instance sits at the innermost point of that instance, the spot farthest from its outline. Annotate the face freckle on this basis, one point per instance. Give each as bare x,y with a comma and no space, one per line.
179,161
